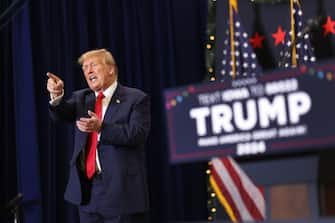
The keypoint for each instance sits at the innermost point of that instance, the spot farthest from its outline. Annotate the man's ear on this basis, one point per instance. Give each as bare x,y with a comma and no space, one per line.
112,70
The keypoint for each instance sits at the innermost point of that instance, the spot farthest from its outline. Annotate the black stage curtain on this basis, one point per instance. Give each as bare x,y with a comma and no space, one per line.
157,44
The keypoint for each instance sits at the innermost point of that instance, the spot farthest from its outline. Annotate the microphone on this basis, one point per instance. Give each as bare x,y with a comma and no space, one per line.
12,204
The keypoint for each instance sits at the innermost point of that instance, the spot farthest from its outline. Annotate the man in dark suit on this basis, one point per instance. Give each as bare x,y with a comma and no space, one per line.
107,177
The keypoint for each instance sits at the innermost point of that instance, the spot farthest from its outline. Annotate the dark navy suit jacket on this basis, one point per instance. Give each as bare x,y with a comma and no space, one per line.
121,148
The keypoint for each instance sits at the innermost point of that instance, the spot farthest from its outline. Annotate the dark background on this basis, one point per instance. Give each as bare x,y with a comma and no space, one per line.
157,44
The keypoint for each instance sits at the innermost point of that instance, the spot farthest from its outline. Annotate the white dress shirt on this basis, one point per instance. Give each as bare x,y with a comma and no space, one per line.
108,93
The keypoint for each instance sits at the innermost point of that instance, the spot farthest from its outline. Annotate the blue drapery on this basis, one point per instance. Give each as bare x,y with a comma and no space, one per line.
24,116
157,44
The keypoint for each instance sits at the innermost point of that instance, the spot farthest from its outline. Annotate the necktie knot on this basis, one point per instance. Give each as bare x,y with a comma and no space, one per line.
100,96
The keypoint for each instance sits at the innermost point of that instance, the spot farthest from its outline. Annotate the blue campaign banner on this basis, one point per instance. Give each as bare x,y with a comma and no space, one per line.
281,112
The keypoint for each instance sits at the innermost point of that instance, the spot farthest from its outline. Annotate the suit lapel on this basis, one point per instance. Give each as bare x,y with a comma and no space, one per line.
112,108
114,103
89,104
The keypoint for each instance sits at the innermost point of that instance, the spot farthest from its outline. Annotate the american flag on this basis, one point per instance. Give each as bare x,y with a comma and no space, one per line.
242,199
239,60
298,49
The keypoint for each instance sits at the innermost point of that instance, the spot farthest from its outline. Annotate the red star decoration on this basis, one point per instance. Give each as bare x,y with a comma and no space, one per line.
329,26
257,41
279,36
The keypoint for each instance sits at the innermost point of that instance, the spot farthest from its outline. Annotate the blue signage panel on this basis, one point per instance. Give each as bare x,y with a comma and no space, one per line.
281,112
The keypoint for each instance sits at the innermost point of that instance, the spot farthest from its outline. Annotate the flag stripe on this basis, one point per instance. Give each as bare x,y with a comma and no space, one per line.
232,189
222,199
224,191
250,194
254,192
245,199
237,181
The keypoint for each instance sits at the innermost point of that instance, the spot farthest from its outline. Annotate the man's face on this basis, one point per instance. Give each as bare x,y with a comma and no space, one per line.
99,76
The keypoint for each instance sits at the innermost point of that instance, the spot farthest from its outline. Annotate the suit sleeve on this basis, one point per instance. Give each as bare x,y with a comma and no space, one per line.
134,132
64,111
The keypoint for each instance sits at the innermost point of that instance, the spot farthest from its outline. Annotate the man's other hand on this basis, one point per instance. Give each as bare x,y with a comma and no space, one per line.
92,124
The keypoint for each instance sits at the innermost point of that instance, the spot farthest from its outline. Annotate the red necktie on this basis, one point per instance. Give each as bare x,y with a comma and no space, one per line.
93,140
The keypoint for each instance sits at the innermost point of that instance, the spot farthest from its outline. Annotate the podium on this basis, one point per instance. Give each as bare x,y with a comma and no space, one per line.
300,187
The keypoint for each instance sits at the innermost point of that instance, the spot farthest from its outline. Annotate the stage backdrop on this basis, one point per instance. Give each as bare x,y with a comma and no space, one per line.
157,44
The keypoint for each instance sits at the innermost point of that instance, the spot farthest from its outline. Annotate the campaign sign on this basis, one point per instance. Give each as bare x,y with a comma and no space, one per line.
280,112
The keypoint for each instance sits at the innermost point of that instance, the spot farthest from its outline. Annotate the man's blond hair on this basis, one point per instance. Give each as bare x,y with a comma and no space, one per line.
107,56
